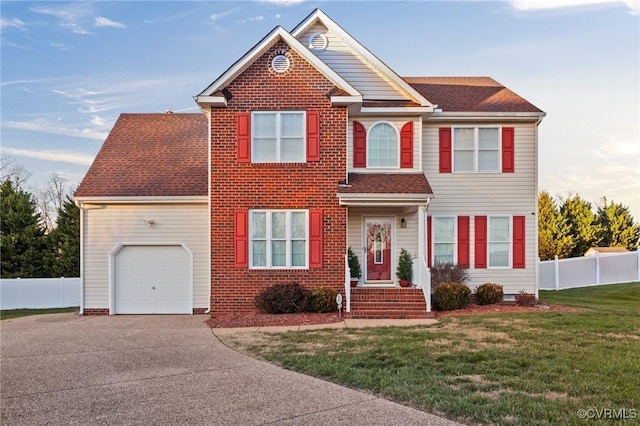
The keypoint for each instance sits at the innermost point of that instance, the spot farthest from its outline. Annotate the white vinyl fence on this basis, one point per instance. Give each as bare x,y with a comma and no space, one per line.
39,293
588,271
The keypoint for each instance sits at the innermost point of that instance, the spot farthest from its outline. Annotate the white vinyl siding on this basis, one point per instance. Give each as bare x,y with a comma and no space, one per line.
107,225
488,194
278,137
279,239
352,67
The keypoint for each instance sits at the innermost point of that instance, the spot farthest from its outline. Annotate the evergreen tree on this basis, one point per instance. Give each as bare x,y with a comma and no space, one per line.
583,224
616,226
554,238
64,242
22,239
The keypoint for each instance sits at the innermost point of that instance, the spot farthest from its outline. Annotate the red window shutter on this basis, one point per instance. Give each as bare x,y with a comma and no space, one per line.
429,241
241,239
313,136
445,150
359,145
406,146
243,134
519,260
481,242
463,241
315,238
508,161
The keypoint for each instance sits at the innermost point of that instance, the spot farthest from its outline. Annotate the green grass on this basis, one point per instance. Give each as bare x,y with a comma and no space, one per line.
17,313
506,369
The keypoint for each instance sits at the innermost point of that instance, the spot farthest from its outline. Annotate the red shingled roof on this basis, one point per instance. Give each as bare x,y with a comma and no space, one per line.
151,155
470,94
387,183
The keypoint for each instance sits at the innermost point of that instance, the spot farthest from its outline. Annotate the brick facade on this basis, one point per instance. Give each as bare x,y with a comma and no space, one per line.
244,186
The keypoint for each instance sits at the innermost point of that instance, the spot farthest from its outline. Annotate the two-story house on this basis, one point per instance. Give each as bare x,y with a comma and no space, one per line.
307,145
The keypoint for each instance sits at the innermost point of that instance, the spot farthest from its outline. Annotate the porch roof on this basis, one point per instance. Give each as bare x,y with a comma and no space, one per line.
385,189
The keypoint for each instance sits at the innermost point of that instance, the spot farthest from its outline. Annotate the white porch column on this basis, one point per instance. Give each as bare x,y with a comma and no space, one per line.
422,240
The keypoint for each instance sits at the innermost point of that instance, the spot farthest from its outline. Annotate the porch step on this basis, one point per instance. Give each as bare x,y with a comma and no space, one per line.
392,303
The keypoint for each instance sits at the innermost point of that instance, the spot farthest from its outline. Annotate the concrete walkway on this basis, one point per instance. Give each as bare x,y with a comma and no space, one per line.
66,369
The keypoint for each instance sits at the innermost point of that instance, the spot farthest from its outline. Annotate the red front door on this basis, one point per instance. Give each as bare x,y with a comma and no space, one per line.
378,244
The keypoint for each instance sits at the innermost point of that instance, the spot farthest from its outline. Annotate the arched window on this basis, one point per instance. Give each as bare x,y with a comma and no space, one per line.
382,148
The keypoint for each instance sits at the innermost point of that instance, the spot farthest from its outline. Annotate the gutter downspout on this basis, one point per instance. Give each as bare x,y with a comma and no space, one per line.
81,207
535,213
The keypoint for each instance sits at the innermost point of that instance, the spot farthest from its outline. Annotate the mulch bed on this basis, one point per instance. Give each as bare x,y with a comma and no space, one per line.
257,319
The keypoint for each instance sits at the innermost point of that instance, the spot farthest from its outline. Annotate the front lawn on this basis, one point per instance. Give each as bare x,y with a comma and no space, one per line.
528,368
17,313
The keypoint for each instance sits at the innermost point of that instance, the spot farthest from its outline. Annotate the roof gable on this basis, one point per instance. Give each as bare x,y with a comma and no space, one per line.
352,60
151,155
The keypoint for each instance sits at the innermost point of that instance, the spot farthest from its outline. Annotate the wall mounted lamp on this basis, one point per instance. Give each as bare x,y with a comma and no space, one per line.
403,223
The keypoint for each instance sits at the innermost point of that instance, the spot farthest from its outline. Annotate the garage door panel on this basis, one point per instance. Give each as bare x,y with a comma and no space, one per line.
153,279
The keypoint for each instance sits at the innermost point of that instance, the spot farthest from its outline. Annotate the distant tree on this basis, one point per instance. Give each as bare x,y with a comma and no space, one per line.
554,234
64,242
616,226
50,199
15,172
583,224
22,239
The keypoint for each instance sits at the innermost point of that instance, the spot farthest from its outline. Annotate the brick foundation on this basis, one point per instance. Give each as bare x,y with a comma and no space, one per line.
95,311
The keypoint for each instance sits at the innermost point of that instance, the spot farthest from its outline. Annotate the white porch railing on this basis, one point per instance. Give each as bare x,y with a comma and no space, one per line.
424,281
347,284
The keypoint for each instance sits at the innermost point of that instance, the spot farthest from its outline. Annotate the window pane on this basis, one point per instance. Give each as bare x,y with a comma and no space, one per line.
463,138
443,229
298,228
298,255
443,253
499,229
488,138
291,124
488,161
292,150
278,225
499,254
278,253
463,161
258,225
383,146
264,125
259,250
265,150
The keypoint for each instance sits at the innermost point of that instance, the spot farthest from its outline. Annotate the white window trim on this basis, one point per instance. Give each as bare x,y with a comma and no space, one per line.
510,241
288,238
455,237
395,128
278,135
476,149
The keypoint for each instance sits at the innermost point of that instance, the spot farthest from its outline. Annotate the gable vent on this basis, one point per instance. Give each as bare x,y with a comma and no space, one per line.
280,64
318,41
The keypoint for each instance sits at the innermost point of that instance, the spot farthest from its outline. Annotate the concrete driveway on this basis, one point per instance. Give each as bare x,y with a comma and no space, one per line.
66,369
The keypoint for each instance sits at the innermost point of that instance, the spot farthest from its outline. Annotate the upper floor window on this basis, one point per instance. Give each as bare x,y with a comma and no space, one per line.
476,149
278,239
278,137
383,146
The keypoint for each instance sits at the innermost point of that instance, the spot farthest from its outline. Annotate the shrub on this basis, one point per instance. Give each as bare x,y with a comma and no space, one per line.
354,264
448,273
323,299
283,299
489,293
405,266
526,299
450,296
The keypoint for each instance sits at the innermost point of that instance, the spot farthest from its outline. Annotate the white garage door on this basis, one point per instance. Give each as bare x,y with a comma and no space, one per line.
153,280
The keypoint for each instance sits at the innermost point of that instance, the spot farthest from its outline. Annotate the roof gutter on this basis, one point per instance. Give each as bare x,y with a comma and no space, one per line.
191,199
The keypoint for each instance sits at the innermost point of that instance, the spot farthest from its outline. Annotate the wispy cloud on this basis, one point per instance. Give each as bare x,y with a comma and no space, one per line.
613,148
531,5
71,16
46,126
61,46
12,23
57,156
217,16
101,21
282,2
254,19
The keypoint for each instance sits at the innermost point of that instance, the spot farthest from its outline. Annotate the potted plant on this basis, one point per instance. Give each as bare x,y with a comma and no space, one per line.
405,268
354,267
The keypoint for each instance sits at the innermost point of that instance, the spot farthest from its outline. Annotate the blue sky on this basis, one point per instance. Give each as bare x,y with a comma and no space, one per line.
68,69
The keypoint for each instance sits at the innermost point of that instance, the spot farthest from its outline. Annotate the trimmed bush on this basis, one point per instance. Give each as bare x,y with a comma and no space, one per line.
448,273
526,299
450,296
323,299
283,299
489,294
